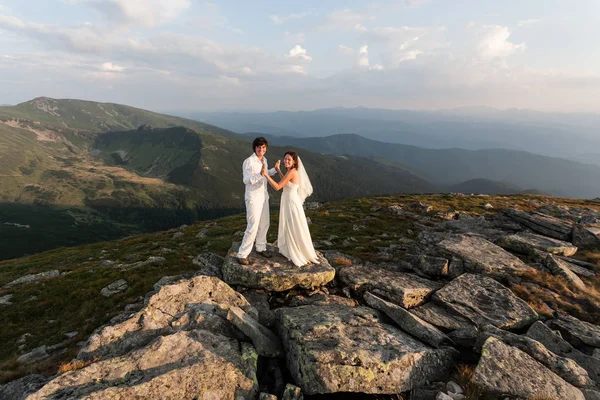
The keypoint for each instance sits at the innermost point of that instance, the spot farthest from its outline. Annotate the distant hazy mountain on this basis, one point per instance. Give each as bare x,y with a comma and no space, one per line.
485,186
447,167
553,134
77,171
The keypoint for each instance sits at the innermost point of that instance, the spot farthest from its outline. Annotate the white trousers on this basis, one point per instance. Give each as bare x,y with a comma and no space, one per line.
257,219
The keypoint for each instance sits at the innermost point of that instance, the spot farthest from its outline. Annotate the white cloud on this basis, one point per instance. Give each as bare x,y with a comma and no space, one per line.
294,37
415,3
345,49
360,28
281,20
495,44
148,13
343,20
296,69
527,22
110,67
228,80
363,56
376,67
299,52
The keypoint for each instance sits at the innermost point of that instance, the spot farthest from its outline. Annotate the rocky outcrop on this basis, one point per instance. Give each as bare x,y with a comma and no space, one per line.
275,273
265,341
408,322
482,256
585,236
505,370
406,290
428,266
561,268
527,243
33,278
338,348
189,365
578,333
483,300
441,317
19,389
542,223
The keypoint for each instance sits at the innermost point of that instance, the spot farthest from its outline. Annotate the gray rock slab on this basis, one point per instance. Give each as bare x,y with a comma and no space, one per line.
260,301
403,289
440,316
527,243
320,299
408,322
19,389
556,344
483,300
35,355
337,348
483,256
506,370
192,365
209,264
575,331
5,300
561,268
266,342
275,273
164,308
292,392
114,288
585,236
590,394
545,224
33,278
428,266
566,368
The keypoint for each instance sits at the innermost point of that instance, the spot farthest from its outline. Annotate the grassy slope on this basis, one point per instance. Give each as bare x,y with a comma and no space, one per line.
73,302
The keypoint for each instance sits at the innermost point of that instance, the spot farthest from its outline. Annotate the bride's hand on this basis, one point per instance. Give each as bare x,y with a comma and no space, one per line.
277,164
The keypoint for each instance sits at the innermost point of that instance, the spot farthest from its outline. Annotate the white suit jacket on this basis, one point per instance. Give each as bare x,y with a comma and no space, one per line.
256,184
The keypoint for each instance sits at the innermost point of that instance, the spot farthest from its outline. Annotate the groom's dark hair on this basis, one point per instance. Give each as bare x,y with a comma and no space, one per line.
259,141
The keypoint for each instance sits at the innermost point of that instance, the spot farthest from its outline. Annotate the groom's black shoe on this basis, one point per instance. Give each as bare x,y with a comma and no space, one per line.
243,261
265,254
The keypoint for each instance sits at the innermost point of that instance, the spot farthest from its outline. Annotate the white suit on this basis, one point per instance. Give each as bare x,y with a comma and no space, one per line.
257,205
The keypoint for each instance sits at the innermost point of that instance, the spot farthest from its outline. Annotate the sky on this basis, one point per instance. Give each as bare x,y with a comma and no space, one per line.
189,55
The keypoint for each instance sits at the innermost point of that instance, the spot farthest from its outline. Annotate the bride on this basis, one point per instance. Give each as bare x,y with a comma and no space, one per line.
293,237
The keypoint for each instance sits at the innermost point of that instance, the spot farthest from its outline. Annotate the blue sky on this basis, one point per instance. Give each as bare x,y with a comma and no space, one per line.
272,55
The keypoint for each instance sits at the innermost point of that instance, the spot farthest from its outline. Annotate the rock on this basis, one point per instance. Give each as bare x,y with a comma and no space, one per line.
482,300
202,234
423,394
396,209
419,207
19,389
35,355
114,288
348,349
556,344
464,337
440,317
583,236
408,322
202,301
177,234
453,387
275,273
265,341
566,368
483,256
5,300
488,206
590,394
575,331
292,392
506,370
443,396
192,365
542,223
596,353
406,290
33,278
312,205
576,268
209,264
70,335
150,260
266,396
321,299
561,268
428,266
339,260
106,263
527,243
260,301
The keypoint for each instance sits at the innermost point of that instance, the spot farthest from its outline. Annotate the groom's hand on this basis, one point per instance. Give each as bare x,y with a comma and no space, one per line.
263,171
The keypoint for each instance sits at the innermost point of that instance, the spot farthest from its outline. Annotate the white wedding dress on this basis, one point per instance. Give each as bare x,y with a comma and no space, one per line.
293,237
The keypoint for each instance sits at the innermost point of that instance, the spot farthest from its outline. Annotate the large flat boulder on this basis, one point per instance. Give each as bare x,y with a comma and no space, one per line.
528,243
562,268
441,317
403,289
505,370
275,273
186,365
575,331
483,300
482,256
336,348
545,224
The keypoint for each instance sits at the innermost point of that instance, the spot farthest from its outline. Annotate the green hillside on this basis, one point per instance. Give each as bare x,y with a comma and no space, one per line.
126,171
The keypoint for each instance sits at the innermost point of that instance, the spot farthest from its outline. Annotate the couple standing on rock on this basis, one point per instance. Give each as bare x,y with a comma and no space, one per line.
293,238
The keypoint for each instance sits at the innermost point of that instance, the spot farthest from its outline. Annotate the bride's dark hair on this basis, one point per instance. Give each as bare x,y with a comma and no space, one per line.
294,156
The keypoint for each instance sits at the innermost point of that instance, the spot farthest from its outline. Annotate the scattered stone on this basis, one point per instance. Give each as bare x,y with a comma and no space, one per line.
453,387
33,278
428,266
541,223
506,370
5,300
348,349
202,234
396,209
275,273
488,206
312,205
443,396
35,355
266,396
292,392
485,301
106,263
561,268
177,234
209,264
405,290
21,388
71,335
265,341
590,394
150,260
408,322
24,337
358,227
114,288
419,207
584,236
575,331
483,256
440,317
260,301
527,243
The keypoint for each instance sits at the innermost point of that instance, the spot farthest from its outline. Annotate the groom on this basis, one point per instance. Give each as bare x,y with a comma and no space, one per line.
257,202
